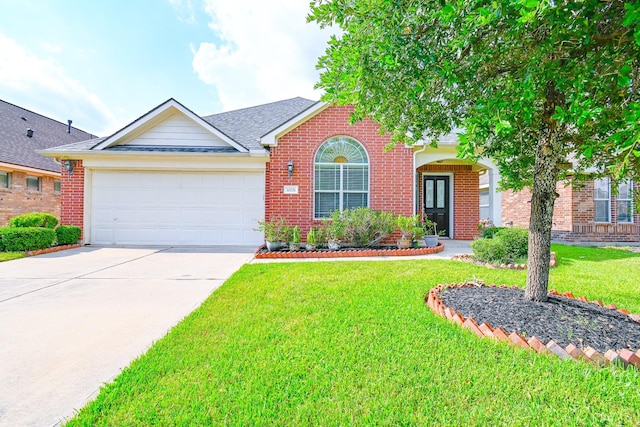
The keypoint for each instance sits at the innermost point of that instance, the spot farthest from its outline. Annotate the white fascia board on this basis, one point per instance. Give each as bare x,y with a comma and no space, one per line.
449,139
177,161
158,114
9,167
271,138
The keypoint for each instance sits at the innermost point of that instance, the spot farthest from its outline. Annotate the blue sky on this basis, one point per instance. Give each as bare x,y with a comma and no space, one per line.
105,63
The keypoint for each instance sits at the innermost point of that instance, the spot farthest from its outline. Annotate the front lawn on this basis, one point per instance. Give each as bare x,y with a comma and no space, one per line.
352,343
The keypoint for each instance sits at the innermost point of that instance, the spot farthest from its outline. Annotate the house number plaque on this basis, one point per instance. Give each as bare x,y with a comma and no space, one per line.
290,189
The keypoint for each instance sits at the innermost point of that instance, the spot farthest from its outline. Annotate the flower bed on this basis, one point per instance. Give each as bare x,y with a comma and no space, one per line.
262,252
591,312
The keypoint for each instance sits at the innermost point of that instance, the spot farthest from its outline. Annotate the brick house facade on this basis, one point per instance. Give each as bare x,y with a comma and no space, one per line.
574,215
17,198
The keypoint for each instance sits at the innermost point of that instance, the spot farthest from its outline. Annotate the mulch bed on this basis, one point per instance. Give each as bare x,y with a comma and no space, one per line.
262,252
563,320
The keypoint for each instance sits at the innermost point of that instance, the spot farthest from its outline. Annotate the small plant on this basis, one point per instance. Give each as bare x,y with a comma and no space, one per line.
410,227
295,235
365,226
489,250
483,224
68,234
488,233
429,227
312,236
516,242
275,229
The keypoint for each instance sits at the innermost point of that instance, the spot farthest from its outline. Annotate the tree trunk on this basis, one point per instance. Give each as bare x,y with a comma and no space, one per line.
543,197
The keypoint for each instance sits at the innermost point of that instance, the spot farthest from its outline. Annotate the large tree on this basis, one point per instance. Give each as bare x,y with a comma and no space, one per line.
544,88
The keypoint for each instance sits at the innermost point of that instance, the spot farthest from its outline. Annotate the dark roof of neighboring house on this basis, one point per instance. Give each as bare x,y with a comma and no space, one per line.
19,149
247,125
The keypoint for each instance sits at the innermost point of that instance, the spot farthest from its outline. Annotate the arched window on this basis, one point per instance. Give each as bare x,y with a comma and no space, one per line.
341,172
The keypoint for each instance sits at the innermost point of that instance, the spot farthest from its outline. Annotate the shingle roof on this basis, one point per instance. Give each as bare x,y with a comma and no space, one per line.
245,126
18,149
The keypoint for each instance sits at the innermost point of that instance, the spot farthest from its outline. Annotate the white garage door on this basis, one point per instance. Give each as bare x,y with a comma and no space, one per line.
176,208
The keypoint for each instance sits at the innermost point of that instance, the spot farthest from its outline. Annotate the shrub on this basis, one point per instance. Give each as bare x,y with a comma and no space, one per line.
488,233
516,241
34,219
362,226
489,250
18,239
68,234
275,229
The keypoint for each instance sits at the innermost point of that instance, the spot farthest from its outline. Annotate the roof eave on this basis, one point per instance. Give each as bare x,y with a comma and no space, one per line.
270,139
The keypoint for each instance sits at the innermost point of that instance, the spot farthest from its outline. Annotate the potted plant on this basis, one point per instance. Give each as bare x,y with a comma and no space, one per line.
294,244
430,232
335,231
275,232
312,239
410,228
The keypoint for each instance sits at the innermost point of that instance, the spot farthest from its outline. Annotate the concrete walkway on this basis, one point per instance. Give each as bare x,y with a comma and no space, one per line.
71,321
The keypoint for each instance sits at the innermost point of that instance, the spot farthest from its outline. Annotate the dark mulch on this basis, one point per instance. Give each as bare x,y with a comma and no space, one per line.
563,320
325,249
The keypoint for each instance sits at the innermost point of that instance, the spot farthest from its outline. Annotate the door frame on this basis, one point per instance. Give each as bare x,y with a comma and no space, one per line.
450,175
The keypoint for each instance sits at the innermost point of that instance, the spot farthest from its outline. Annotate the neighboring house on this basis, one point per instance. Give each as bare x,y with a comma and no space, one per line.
30,182
584,212
173,177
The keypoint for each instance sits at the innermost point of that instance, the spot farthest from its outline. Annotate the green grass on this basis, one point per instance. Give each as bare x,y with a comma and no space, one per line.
352,343
8,256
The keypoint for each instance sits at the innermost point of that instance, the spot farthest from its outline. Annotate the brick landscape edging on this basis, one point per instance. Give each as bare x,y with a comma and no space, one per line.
622,357
364,252
553,262
52,249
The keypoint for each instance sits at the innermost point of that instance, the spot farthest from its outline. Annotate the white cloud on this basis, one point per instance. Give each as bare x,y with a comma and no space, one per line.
267,51
44,87
184,8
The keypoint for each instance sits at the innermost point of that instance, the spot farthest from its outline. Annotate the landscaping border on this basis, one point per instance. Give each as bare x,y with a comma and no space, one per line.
346,253
553,262
52,249
623,357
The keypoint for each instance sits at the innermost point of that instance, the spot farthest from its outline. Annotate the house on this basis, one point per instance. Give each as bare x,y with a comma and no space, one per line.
174,177
29,181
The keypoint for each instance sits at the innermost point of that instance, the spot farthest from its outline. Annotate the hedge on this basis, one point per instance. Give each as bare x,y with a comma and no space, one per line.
68,234
19,239
34,219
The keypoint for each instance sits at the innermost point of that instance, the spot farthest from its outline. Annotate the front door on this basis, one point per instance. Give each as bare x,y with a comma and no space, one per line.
436,201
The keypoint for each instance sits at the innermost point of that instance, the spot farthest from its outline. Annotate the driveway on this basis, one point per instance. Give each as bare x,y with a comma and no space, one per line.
72,320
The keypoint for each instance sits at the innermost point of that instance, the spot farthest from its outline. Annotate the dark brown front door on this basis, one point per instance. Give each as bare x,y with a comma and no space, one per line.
436,201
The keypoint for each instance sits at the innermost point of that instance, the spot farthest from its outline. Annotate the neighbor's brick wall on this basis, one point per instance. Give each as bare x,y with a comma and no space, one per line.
573,216
466,198
390,173
19,200
72,201
516,207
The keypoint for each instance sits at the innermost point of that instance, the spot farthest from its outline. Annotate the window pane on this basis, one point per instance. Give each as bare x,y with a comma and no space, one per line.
484,198
4,179
624,190
33,182
328,177
440,194
57,185
354,200
428,194
326,203
602,211
625,211
601,188
484,212
355,178
341,149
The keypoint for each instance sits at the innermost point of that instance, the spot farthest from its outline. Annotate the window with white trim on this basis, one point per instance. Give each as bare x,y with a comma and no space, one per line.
625,201
5,180
485,204
341,171
33,183
57,185
602,200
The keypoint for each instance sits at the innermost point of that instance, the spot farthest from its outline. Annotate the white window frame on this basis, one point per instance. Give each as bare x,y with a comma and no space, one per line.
595,199
59,182
341,191
627,200
8,181
36,178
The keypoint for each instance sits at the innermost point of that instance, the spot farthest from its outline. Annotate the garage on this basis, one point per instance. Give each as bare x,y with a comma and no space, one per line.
130,207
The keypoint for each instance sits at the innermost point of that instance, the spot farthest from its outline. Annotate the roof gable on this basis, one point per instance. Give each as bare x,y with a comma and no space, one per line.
170,124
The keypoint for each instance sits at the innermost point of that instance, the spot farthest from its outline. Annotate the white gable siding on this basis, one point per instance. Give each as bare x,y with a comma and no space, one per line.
178,130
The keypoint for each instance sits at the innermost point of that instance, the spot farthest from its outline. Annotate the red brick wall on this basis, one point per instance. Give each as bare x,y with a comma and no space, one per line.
573,215
391,173
466,198
18,200
72,203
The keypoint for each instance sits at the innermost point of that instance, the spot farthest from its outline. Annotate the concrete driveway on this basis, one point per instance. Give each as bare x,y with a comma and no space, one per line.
71,321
